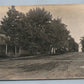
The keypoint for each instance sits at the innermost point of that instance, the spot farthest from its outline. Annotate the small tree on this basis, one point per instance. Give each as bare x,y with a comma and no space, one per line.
82,43
72,45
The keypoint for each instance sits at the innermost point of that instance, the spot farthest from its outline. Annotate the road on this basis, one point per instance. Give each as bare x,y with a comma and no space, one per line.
66,66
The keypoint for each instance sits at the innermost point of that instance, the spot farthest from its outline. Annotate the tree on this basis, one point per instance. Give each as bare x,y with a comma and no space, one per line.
59,35
12,25
61,38
72,45
82,43
38,21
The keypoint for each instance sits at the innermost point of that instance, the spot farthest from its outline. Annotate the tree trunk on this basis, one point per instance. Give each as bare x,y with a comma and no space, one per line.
6,49
19,50
15,51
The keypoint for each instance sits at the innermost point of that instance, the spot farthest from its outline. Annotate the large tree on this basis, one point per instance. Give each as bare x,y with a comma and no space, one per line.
12,25
61,38
59,35
38,21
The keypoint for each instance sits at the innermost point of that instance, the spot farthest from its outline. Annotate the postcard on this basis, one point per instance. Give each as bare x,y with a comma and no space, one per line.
41,42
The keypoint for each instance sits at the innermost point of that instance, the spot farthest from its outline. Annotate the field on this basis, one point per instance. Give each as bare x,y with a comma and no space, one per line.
70,65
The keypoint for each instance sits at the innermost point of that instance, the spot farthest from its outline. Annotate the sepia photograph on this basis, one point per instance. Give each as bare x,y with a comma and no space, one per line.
42,42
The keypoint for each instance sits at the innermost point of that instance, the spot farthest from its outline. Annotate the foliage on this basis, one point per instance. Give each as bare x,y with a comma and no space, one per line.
82,43
12,25
36,31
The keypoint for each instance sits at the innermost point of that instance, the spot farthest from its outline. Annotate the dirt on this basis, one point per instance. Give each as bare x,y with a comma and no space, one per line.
66,66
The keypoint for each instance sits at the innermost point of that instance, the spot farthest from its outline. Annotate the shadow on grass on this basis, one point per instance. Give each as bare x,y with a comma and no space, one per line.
36,67
4,57
35,57
47,66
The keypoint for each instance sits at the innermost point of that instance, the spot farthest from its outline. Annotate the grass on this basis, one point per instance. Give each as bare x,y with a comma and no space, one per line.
40,67
36,67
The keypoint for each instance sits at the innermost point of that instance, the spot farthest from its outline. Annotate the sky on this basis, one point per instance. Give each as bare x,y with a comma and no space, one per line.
72,16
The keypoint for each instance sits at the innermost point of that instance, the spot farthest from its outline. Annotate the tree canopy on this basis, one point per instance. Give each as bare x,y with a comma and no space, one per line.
12,25
36,31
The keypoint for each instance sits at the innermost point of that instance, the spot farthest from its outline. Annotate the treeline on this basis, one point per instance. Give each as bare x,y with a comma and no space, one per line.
36,31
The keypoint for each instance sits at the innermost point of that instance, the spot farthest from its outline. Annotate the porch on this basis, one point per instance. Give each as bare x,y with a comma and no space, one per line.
9,50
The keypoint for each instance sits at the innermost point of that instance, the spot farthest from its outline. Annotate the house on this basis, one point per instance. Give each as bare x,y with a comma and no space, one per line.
7,49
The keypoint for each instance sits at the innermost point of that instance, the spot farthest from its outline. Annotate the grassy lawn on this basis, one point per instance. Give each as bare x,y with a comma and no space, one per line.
38,67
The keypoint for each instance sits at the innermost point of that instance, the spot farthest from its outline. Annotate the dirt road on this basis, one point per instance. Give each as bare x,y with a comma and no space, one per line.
69,65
